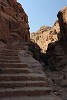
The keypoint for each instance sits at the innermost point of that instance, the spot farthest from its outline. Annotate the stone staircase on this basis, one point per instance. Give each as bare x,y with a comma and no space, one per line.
21,76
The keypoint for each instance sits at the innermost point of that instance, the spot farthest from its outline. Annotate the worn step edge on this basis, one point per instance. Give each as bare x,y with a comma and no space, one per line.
14,70
45,97
13,84
25,91
14,65
8,77
9,57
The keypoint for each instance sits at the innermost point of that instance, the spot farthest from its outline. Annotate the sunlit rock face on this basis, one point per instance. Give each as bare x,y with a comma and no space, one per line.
56,26
13,21
44,36
62,16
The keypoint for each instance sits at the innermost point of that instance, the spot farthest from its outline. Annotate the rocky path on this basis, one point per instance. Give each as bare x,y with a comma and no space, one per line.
21,76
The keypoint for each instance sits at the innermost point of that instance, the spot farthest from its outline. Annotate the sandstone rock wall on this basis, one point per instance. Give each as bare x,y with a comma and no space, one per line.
44,36
56,54
13,21
56,26
62,16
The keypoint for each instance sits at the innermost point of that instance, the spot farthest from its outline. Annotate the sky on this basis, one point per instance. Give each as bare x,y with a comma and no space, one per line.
42,12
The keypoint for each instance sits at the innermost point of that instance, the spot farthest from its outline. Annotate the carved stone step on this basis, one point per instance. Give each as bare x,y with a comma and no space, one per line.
23,77
9,57
25,91
45,97
13,65
13,50
14,70
13,84
8,54
10,61
9,51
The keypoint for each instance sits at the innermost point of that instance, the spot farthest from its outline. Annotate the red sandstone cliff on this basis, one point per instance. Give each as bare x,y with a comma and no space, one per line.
13,21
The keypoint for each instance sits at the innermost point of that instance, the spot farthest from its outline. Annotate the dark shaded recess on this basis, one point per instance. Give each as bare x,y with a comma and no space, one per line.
50,56
3,41
36,50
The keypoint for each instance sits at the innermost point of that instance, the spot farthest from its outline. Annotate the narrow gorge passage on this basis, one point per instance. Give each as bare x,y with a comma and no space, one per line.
21,75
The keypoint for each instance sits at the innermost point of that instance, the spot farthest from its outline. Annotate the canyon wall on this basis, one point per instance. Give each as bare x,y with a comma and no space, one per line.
62,17
13,22
56,55
45,35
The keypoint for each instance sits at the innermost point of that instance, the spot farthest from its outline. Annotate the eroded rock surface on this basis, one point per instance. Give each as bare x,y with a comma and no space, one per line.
56,52
13,21
44,36
21,76
62,16
56,57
